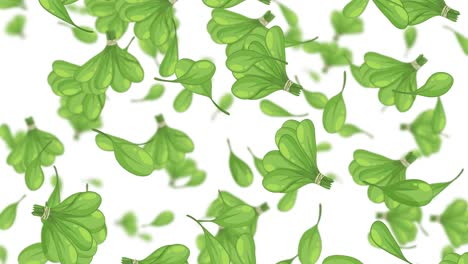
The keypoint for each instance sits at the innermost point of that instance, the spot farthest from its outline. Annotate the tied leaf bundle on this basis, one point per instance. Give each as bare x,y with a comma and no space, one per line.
454,220
368,168
183,170
396,80
168,144
422,10
236,238
260,67
226,27
173,254
113,66
196,77
228,3
155,22
294,164
426,130
77,98
38,148
73,228
108,18
404,221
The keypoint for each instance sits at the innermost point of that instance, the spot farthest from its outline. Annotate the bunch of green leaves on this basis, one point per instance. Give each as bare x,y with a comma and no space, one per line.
167,145
422,10
270,108
195,76
108,16
454,220
8,215
237,238
113,66
185,171
260,67
225,102
334,112
331,53
38,148
404,221
454,258
73,228
240,171
59,10
427,128
381,237
397,81
294,164
228,3
462,40
173,254
310,245
371,169
15,27
345,25
227,27
155,21
77,98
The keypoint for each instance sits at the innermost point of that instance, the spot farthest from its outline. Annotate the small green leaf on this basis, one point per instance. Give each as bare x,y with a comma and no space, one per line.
8,215
310,245
349,130
163,219
183,101
15,26
89,36
271,109
3,255
355,8
286,203
58,9
382,238
337,259
439,120
316,99
32,254
240,171
129,223
410,37
334,113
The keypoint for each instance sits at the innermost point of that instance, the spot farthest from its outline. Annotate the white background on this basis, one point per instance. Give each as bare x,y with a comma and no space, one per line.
347,213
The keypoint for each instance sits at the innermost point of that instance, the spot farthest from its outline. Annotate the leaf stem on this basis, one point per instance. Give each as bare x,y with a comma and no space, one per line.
344,81
320,214
219,107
